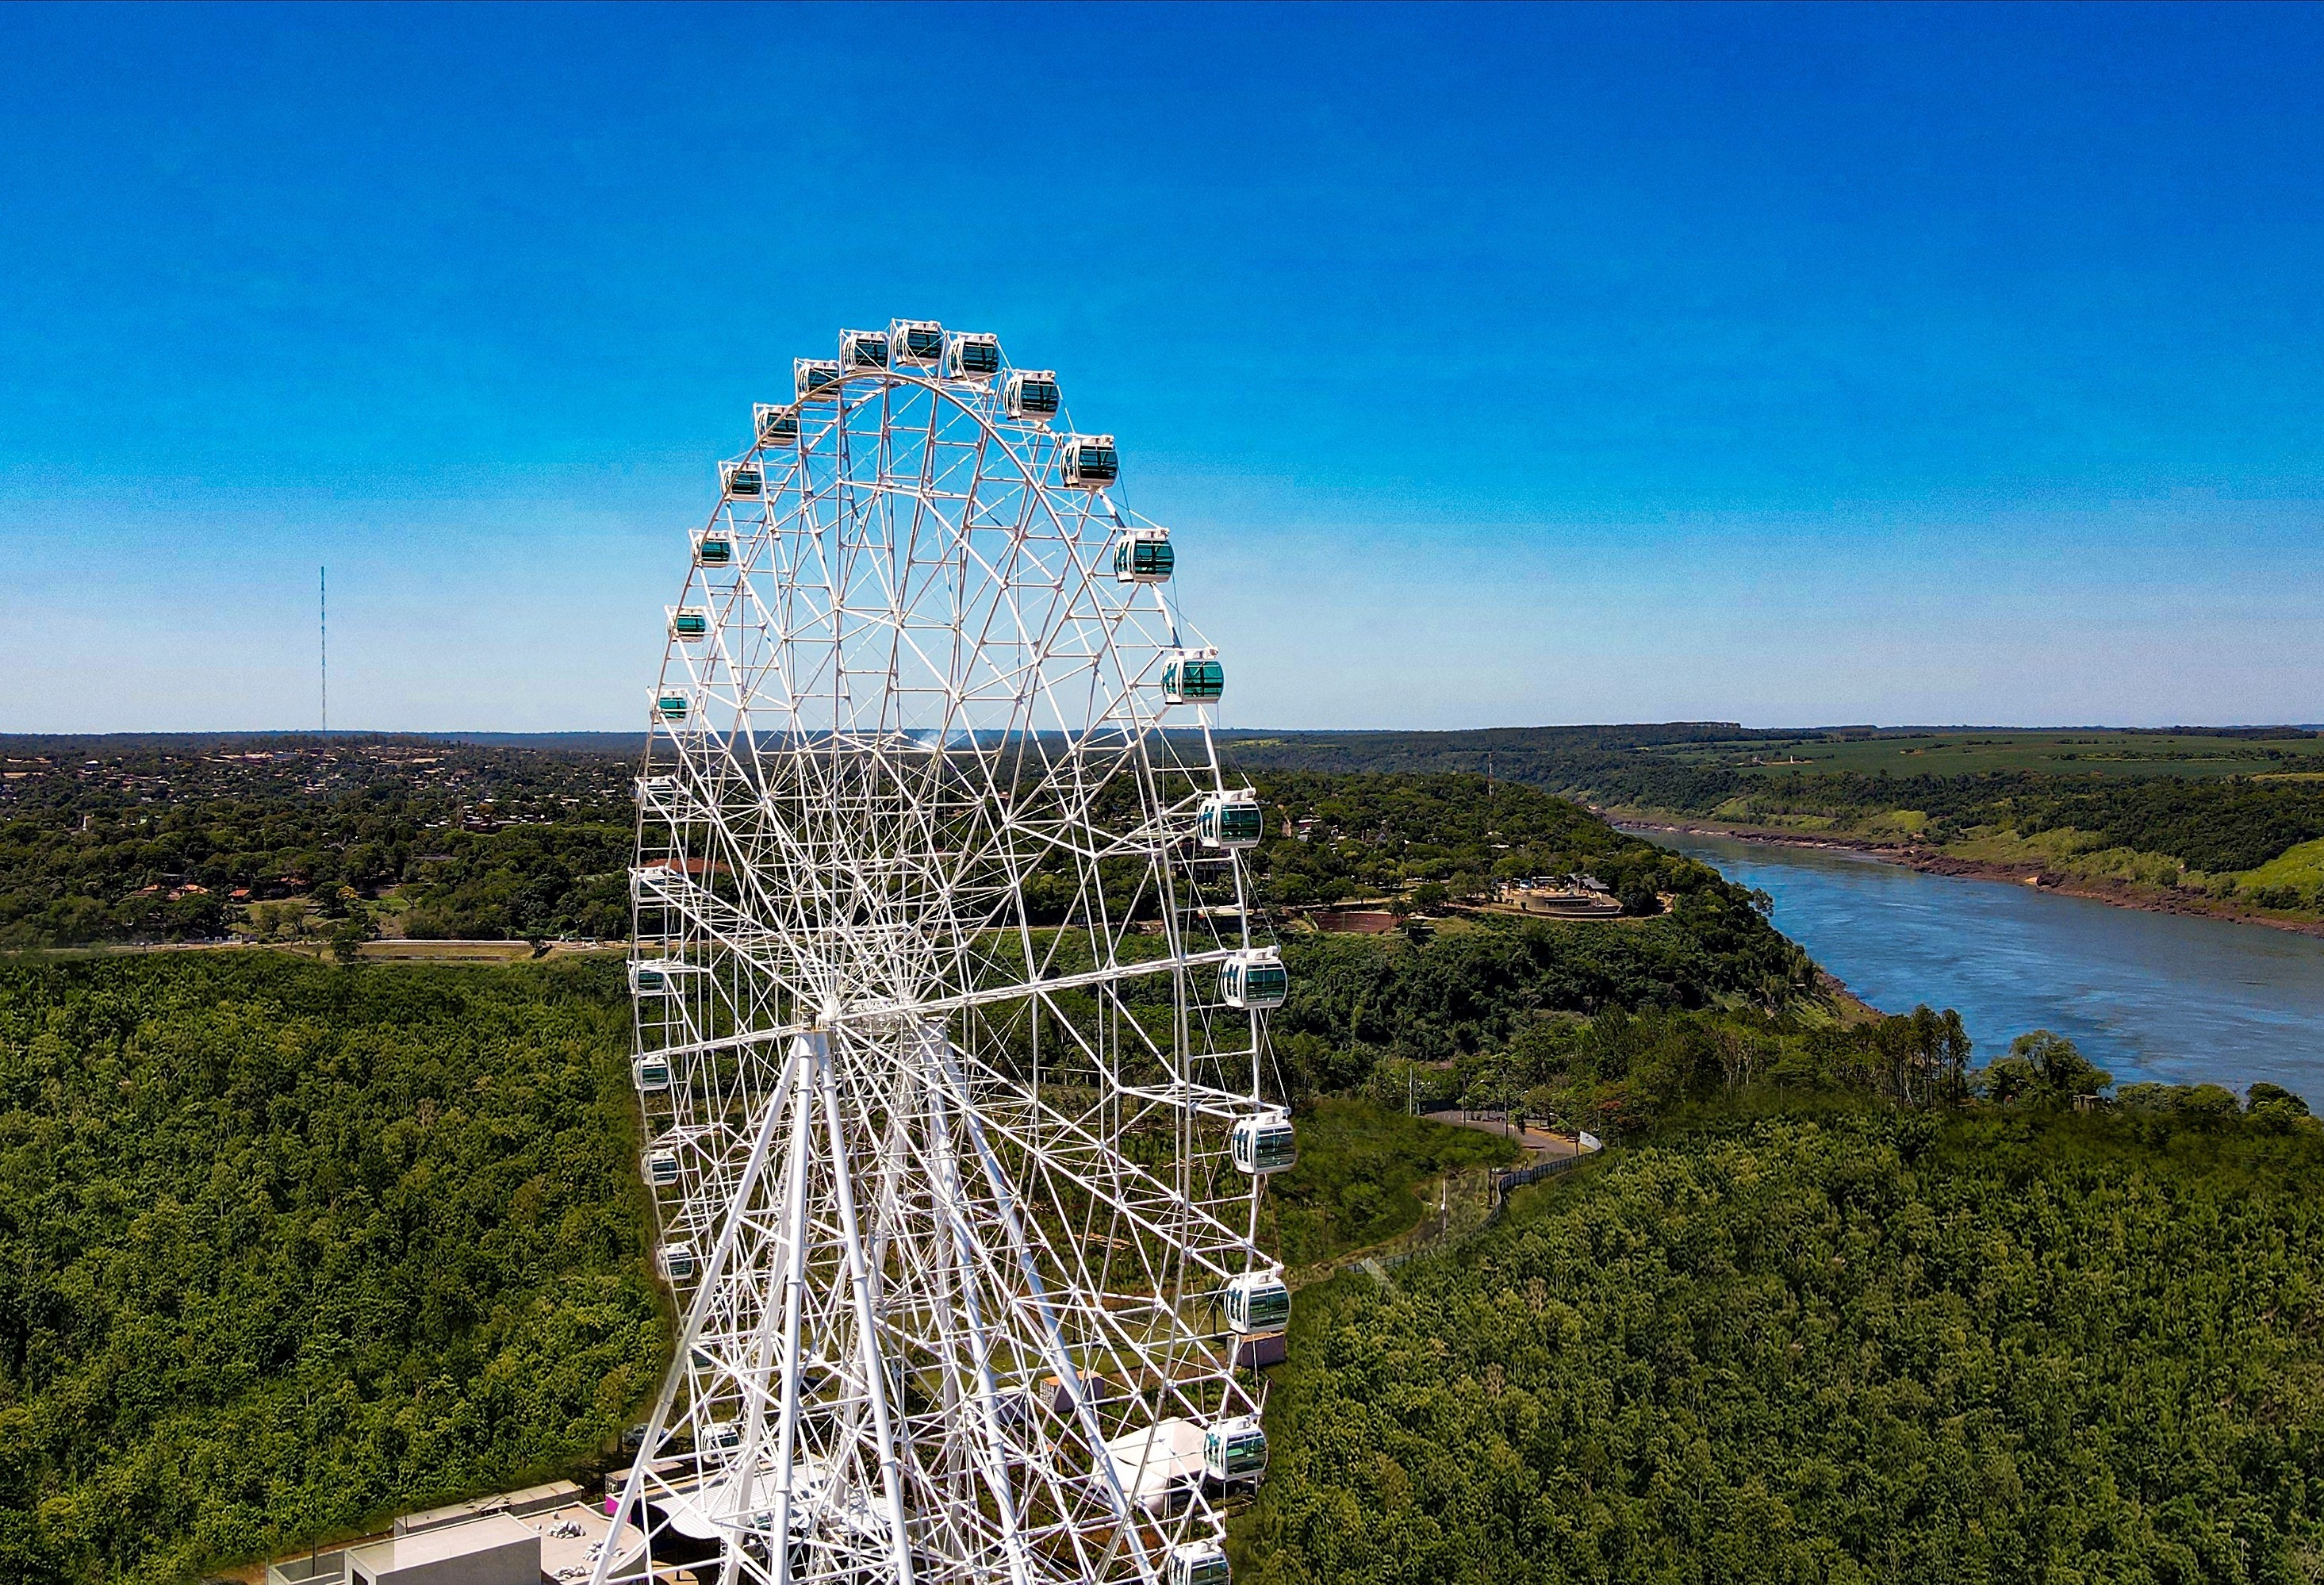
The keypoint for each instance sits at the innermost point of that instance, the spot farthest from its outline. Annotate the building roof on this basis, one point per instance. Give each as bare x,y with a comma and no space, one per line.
489,1533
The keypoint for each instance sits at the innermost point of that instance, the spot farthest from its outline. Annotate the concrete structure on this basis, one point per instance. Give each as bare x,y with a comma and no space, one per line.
532,1499
495,1549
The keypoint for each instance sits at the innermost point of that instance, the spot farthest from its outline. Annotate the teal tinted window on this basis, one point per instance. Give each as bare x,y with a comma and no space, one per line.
1240,822
1266,1309
979,358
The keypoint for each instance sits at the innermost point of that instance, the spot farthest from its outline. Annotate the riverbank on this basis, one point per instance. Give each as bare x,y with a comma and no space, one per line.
1928,860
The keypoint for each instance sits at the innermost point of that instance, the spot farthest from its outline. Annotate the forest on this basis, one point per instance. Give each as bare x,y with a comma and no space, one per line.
1832,1340
284,1247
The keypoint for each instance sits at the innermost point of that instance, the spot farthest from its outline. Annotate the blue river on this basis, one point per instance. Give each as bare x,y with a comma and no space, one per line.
2145,996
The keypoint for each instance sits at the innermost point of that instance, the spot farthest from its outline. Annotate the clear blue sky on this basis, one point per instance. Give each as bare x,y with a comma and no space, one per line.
1496,365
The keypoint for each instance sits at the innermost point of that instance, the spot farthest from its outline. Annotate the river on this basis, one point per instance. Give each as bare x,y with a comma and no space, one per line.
2145,996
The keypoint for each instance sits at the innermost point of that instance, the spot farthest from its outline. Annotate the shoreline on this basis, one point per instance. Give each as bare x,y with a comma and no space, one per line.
1929,862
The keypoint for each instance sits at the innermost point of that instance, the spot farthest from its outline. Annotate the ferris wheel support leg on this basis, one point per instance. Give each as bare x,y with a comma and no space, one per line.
794,1300
695,1313
1051,1337
966,1251
874,1365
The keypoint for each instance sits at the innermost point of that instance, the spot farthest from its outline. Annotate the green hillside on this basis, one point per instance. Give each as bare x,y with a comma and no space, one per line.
1833,1345
284,1247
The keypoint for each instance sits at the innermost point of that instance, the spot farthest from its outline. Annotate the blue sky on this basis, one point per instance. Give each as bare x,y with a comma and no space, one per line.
1495,365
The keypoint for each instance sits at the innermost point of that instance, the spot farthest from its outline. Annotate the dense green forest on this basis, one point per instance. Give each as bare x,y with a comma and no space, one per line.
1837,1342
285,1247
1335,836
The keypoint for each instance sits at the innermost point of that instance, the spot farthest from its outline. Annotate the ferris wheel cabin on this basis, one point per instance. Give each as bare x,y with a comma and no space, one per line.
670,706
1201,1563
917,343
814,378
650,1075
689,624
1193,677
863,349
1230,820
660,1168
742,480
1234,1450
1089,462
677,1263
775,426
655,976
714,548
1264,1144
973,357
1257,1301
1254,978
1032,395
1143,556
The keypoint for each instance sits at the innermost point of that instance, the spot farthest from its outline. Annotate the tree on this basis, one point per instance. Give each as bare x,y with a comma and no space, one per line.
349,934
2060,1065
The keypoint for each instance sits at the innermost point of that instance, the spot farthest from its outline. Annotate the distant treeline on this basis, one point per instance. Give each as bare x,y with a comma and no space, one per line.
2217,825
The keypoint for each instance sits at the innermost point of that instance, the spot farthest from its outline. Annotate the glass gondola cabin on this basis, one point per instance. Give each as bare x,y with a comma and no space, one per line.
775,426
917,343
714,548
1230,820
973,357
1089,462
689,625
670,706
1143,556
677,1261
1193,677
1234,1450
650,1074
654,977
863,349
1032,396
662,1169
742,480
1257,1300
1264,1144
1200,1563
814,378
1254,978
722,1436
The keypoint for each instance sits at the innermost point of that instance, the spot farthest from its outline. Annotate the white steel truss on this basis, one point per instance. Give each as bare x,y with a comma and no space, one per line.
937,1068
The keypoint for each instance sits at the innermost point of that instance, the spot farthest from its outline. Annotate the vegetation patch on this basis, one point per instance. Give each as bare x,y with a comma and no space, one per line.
1360,1169
284,1247
1833,1344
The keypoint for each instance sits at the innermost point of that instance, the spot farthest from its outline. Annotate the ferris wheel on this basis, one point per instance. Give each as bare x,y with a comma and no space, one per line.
949,1012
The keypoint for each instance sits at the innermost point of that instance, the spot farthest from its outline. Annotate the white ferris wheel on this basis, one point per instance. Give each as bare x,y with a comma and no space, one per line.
949,1013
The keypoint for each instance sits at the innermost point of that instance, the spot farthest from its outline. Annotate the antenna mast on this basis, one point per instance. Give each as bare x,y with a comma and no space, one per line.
323,634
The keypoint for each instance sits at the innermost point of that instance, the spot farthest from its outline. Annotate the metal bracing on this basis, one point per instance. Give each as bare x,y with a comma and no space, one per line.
928,944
